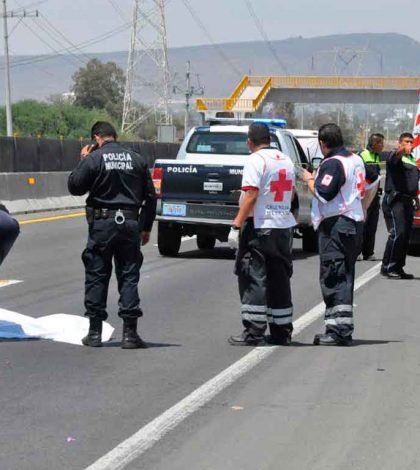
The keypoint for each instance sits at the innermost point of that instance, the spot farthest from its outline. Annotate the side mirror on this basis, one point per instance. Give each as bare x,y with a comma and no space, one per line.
315,162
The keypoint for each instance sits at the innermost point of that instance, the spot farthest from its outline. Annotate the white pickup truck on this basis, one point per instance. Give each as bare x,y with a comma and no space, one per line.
198,192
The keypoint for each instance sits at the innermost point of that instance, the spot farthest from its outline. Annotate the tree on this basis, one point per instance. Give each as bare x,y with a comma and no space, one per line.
33,118
100,85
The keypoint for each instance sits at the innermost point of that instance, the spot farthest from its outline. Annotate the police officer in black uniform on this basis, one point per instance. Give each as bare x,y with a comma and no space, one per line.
400,200
119,185
9,231
372,159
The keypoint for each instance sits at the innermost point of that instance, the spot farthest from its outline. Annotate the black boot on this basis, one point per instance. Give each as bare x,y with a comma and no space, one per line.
130,339
94,336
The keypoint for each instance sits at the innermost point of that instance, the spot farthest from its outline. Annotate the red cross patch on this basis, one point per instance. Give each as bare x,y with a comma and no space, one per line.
283,185
326,180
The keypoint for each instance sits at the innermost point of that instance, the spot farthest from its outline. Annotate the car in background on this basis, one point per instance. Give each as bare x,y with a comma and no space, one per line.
308,140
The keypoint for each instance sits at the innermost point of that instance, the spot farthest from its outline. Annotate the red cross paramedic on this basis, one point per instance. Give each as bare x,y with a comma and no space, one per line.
263,227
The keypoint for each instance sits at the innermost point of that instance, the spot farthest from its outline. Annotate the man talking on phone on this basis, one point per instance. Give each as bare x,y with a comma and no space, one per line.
120,210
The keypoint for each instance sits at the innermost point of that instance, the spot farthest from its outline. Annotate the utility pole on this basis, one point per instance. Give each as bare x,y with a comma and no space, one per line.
19,15
189,92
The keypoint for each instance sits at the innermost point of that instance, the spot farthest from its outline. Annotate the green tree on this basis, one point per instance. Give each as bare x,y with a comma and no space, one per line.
100,85
33,118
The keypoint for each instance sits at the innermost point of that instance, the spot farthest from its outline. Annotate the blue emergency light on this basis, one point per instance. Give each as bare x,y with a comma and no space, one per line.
278,122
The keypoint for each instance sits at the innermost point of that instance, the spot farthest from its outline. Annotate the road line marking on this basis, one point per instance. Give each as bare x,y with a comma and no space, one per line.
151,433
50,219
9,282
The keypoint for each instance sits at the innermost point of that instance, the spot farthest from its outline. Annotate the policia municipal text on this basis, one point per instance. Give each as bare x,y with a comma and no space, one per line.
119,185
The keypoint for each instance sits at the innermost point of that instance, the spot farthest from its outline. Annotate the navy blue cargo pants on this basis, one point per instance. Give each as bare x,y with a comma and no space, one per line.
264,268
398,215
339,245
9,231
109,241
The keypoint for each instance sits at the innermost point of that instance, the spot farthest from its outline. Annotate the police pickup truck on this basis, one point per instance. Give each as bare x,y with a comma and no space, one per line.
198,193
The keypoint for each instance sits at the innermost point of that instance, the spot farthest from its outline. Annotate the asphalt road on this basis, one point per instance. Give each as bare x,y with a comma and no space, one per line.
64,406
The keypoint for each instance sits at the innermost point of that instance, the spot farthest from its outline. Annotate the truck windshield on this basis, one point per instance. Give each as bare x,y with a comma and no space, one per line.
221,143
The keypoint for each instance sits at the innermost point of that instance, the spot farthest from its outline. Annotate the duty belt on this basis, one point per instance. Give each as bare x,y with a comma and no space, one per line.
119,215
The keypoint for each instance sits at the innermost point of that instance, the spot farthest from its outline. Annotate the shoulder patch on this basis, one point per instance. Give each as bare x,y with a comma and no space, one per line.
326,180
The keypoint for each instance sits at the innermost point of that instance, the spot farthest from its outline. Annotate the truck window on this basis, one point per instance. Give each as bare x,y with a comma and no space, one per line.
290,149
221,143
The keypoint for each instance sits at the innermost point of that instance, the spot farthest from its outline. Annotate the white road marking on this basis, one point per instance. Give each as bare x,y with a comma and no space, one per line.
9,282
151,433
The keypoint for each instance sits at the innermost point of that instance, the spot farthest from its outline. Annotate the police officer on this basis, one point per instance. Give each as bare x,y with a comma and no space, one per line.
119,185
9,231
401,186
372,159
264,257
337,214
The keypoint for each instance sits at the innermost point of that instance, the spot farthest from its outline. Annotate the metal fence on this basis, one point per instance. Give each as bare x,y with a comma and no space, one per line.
23,155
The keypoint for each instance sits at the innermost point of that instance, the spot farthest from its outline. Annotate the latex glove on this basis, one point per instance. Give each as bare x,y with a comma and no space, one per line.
233,238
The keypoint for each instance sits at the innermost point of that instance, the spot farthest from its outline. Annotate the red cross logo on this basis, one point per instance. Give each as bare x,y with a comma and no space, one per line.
361,183
283,185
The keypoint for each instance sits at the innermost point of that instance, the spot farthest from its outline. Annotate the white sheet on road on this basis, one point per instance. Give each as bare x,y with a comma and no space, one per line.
59,327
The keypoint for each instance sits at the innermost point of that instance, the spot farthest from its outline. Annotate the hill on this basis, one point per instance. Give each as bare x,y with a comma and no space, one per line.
350,54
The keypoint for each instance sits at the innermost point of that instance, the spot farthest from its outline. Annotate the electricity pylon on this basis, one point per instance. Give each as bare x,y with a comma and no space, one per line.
148,40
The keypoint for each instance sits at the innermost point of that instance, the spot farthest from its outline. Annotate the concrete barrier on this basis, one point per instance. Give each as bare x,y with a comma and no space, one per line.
36,192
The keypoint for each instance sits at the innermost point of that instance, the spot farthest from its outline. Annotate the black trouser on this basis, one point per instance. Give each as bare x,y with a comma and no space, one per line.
9,231
108,241
398,214
370,227
264,268
339,242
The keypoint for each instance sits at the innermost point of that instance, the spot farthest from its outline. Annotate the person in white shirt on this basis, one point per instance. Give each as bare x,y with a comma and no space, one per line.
338,211
263,233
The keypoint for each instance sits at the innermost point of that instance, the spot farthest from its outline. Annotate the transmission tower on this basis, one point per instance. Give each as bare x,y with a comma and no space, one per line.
148,41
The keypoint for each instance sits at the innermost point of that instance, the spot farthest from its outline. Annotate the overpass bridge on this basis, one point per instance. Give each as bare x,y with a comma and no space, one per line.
253,91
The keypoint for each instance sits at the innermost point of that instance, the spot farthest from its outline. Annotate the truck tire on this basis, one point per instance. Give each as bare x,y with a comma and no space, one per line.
206,242
309,240
169,239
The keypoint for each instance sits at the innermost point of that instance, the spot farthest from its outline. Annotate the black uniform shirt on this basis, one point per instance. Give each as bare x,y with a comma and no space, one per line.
402,174
116,178
331,176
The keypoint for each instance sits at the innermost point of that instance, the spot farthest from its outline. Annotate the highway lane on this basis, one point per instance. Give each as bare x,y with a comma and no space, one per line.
52,393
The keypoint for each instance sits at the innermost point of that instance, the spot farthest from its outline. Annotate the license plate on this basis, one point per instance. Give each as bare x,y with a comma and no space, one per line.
209,186
176,210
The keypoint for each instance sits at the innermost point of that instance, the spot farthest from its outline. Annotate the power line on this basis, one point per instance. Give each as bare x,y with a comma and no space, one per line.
260,28
42,58
209,37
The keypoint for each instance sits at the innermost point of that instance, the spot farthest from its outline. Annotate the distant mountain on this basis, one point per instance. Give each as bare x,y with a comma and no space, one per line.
350,54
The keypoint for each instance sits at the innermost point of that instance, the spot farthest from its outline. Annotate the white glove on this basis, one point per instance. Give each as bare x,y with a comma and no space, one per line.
233,238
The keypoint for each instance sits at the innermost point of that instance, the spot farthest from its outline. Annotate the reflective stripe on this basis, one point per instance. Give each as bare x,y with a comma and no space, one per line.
254,308
254,317
339,321
409,159
338,309
280,316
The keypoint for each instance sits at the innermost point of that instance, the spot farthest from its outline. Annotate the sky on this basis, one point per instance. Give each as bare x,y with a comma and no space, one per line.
64,24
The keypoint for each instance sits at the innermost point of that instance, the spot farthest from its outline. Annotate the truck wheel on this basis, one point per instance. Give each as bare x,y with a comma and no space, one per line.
309,240
169,239
205,242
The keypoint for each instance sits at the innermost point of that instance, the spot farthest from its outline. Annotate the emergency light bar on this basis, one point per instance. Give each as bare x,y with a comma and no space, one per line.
277,122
